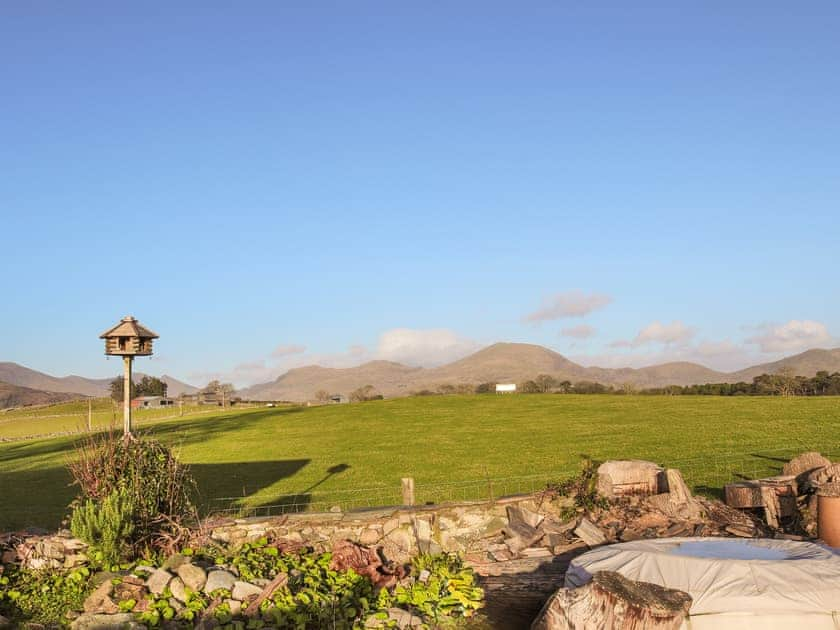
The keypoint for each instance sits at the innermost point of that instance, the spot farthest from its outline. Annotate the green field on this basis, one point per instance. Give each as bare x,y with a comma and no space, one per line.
455,447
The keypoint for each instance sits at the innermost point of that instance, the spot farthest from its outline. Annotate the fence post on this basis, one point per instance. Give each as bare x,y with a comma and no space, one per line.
408,490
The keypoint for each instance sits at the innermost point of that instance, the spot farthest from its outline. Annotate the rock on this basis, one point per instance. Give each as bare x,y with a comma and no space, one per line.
590,533
243,590
235,606
520,514
158,581
402,618
423,530
74,560
218,579
99,601
369,537
194,577
178,590
402,539
174,561
122,621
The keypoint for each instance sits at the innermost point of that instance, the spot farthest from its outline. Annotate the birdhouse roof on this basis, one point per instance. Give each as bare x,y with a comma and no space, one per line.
129,327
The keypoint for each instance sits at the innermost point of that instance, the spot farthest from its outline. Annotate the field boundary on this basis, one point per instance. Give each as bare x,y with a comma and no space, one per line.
723,468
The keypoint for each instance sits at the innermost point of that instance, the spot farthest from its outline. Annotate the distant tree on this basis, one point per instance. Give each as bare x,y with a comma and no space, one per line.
589,387
465,388
529,387
368,392
116,387
225,392
545,383
151,386
485,388
564,387
446,389
322,395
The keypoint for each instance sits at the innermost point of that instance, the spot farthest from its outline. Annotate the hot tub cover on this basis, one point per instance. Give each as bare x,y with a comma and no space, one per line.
732,581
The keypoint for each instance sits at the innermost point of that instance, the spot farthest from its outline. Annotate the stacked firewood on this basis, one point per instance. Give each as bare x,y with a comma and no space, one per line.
787,502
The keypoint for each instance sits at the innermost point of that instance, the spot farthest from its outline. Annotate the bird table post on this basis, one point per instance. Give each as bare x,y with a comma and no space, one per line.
128,339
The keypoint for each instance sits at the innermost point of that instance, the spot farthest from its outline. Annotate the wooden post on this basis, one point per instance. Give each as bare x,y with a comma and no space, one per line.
408,490
127,395
90,415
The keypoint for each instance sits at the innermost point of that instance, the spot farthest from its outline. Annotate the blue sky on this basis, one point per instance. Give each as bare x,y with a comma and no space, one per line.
277,184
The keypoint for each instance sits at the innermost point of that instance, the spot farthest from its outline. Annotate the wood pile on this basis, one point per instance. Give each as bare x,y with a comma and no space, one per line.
787,502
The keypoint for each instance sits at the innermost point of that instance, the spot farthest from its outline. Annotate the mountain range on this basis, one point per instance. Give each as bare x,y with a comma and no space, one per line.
15,374
515,363
499,363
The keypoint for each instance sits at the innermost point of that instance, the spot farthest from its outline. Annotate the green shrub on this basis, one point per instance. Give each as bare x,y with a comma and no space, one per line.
42,597
160,488
106,526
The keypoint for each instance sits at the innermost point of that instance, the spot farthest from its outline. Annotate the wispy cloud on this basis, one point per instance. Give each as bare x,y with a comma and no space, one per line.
794,336
284,350
568,304
584,331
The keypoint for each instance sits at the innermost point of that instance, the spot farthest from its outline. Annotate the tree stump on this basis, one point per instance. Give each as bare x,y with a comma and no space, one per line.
612,602
629,476
749,494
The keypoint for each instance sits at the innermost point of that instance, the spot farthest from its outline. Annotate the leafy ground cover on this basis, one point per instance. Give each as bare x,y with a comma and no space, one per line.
455,447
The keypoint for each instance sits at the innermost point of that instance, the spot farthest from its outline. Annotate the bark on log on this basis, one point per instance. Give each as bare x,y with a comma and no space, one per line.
748,494
630,476
612,602
771,506
805,463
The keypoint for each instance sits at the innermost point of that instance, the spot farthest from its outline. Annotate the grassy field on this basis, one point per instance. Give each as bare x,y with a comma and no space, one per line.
454,447
72,417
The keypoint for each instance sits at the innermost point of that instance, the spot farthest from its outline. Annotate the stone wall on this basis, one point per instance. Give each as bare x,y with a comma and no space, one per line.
472,529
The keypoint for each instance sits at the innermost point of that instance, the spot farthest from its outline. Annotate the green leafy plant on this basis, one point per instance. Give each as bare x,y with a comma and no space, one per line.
42,597
159,486
583,489
105,525
449,588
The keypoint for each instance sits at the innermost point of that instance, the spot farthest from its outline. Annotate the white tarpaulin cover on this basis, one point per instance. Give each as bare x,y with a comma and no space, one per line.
735,583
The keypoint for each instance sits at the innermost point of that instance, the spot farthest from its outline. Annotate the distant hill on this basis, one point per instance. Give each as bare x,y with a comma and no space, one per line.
515,363
807,363
15,374
16,396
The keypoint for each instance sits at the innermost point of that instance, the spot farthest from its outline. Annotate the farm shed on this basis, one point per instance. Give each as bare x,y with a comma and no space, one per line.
148,402
735,584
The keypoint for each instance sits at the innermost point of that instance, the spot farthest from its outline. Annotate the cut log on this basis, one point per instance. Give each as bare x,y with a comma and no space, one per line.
628,477
771,506
590,533
822,476
805,464
612,602
748,494
678,502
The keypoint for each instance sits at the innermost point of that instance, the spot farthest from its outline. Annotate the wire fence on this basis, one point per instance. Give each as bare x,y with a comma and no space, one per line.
707,475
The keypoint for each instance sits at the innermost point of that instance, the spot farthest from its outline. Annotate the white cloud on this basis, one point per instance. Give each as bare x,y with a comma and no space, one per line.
584,331
657,332
284,350
423,347
568,304
794,336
